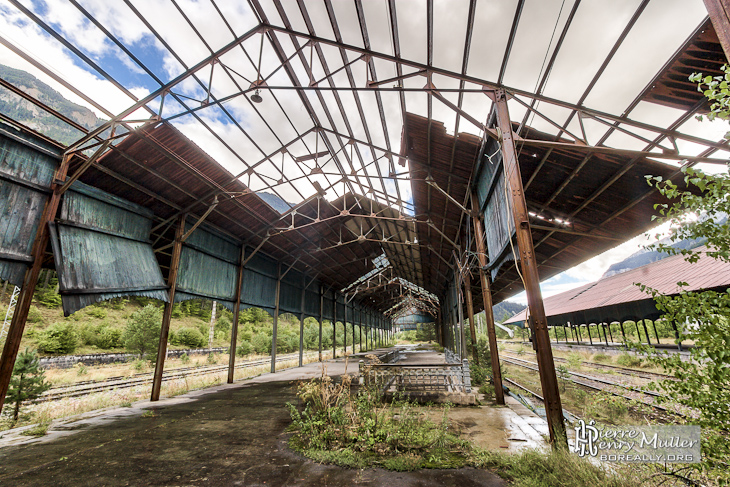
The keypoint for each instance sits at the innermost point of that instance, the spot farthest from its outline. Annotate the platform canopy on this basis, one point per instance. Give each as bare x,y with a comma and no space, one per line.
344,139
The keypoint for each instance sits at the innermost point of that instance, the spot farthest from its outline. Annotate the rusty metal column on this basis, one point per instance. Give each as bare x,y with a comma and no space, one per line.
27,289
276,319
334,325
234,327
301,323
487,299
167,313
528,264
470,315
321,310
719,11
344,330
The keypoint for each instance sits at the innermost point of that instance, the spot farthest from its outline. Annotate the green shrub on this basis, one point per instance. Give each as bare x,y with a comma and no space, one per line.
480,374
601,357
244,349
190,337
223,324
58,338
261,343
108,337
142,334
574,360
49,297
488,390
34,315
185,358
96,312
627,360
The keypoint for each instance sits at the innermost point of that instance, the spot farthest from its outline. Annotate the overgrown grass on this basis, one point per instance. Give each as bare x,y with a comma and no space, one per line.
360,430
554,468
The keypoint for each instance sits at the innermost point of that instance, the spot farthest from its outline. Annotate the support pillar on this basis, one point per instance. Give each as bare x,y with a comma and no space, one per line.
470,314
646,332
676,335
276,319
590,338
301,323
236,310
30,279
344,330
321,310
167,313
719,11
623,333
334,325
487,299
528,264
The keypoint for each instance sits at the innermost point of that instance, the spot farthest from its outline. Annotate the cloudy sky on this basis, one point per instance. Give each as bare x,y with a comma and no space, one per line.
241,134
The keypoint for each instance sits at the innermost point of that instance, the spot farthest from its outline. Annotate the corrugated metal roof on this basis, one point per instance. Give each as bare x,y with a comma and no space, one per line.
621,289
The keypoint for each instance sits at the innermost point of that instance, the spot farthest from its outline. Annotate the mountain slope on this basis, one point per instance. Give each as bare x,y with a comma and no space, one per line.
36,118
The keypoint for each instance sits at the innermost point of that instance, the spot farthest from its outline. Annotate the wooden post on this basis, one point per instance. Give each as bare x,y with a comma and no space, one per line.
487,299
236,310
301,323
719,11
528,264
167,313
321,310
276,319
470,314
30,279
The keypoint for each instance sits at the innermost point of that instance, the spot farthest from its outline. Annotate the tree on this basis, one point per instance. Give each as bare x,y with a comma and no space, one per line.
27,382
703,316
142,334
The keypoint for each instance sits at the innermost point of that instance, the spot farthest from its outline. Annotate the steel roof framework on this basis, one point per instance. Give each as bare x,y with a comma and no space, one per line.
341,150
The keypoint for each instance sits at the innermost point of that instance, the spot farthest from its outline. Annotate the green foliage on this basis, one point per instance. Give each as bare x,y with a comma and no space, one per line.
101,335
628,360
563,375
575,360
426,332
703,316
190,337
40,429
244,349
261,343
58,338
96,312
480,374
366,432
27,381
185,358
601,357
48,297
552,468
716,90
142,334
34,315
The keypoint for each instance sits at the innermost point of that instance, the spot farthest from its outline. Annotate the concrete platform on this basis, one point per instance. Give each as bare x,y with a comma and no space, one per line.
226,435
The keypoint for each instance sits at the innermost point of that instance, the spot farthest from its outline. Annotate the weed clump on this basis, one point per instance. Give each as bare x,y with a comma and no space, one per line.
360,430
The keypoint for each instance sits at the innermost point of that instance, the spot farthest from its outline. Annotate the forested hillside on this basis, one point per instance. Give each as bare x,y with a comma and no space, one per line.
36,118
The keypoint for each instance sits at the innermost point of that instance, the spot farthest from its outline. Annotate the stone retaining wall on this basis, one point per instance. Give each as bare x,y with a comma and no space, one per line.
67,361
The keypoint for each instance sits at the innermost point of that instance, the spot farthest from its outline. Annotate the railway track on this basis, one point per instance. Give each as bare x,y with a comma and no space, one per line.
598,384
121,382
614,368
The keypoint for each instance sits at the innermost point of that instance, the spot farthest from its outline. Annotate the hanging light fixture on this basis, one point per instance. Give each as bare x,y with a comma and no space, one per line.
256,98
